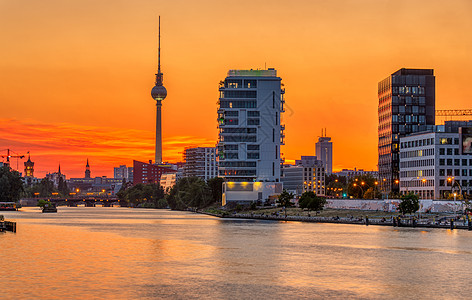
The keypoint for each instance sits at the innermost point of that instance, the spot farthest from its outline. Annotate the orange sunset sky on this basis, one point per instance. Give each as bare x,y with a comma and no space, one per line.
76,75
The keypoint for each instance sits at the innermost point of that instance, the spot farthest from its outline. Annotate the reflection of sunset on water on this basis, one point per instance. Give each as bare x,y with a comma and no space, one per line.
111,253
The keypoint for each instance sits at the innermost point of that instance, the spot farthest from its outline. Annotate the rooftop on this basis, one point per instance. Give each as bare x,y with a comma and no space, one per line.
405,71
271,72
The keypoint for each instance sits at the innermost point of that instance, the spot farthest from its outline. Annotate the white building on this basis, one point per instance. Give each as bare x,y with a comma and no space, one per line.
200,162
168,181
437,162
324,152
250,133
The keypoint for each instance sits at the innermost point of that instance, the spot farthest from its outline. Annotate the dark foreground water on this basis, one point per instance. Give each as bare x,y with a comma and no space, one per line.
120,253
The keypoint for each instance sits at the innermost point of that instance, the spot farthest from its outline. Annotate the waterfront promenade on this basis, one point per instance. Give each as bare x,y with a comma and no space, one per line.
445,221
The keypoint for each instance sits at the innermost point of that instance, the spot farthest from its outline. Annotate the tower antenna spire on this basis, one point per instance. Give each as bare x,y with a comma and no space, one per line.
159,49
159,74
159,93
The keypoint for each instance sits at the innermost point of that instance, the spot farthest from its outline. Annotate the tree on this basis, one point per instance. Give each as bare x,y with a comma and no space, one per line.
311,201
284,199
216,186
335,185
62,187
145,195
410,204
189,192
11,185
372,193
360,184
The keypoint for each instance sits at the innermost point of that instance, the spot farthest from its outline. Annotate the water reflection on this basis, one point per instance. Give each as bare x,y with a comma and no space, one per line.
131,253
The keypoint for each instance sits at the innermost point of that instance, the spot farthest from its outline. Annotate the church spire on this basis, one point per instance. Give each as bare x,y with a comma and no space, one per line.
87,169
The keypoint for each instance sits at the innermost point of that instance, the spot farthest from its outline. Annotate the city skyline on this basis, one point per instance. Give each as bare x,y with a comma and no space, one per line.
89,66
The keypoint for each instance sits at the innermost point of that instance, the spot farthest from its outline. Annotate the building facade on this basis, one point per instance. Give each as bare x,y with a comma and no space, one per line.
307,175
406,105
324,152
56,177
123,172
437,162
250,133
200,162
149,173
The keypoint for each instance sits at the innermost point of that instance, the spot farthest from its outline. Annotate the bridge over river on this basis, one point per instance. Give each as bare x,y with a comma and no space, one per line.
88,201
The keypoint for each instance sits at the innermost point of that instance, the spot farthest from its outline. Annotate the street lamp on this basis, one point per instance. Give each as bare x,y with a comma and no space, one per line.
362,190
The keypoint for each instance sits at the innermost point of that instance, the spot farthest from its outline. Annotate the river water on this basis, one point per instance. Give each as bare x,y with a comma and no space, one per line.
123,253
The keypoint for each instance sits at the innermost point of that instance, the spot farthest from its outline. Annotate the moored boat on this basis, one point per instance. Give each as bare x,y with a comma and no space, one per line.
8,206
49,208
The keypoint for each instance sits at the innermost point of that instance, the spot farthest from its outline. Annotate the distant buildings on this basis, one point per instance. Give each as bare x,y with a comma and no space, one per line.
200,162
324,152
56,177
150,173
250,134
123,172
406,105
307,175
356,172
437,162
101,184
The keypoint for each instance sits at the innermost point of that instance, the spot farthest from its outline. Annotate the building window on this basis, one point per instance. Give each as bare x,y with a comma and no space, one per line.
441,161
442,151
457,172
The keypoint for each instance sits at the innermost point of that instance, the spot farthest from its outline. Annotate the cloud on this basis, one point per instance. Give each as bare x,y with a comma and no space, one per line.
71,144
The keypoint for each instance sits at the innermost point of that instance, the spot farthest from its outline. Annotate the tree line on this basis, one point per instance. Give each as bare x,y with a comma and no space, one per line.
187,193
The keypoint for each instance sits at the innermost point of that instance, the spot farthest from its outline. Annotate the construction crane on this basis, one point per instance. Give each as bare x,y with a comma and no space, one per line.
8,156
453,112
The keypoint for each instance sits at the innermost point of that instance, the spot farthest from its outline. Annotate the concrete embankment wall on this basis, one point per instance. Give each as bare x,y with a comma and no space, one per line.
392,204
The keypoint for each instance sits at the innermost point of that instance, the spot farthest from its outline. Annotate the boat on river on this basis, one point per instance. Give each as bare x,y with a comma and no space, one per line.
6,206
49,208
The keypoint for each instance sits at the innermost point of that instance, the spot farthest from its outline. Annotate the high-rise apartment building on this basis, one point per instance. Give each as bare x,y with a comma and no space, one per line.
250,133
406,105
324,152
200,162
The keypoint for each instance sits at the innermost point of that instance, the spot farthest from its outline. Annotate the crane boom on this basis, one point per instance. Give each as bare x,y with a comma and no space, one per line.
453,112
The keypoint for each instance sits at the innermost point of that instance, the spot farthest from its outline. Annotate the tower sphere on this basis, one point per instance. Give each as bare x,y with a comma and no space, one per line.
159,93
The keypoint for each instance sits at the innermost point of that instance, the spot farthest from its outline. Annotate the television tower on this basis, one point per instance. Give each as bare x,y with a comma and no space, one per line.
158,93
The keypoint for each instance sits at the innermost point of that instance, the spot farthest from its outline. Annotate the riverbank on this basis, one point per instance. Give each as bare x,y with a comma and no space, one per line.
353,217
